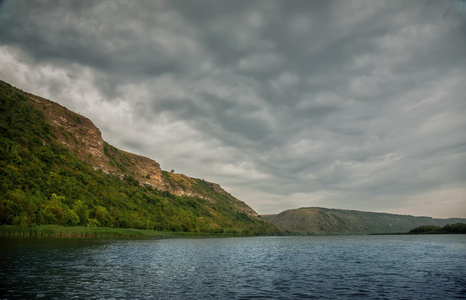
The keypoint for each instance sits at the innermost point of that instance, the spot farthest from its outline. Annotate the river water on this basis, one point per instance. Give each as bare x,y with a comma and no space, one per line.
329,267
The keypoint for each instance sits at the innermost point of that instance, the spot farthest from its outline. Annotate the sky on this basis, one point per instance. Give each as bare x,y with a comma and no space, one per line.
340,104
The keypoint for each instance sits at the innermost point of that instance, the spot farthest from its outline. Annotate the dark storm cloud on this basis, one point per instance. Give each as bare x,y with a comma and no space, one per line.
357,104
96,34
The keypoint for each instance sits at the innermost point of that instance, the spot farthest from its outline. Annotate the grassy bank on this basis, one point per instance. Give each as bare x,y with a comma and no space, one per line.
78,231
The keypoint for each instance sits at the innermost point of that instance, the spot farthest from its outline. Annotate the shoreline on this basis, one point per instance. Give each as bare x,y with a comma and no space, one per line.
12,231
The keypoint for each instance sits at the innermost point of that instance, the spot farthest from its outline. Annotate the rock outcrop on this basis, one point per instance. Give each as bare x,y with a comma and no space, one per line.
84,139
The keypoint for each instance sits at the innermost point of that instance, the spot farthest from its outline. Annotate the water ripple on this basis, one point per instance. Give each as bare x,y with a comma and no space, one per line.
371,267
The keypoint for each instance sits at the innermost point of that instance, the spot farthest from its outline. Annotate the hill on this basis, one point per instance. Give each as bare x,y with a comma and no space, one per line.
55,168
316,220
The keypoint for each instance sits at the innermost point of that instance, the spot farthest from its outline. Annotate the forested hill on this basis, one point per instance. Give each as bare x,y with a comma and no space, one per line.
55,168
317,220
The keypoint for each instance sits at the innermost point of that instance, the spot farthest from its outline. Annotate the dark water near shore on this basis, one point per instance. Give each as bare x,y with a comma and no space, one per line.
373,267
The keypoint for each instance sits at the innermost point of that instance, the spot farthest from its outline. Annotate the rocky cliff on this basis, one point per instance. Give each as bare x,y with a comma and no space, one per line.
55,168
84,139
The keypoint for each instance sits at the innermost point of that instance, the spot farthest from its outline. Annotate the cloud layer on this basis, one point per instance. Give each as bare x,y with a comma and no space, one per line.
346,104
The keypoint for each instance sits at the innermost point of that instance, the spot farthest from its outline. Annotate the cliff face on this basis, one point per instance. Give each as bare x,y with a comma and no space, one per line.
84,139
315,220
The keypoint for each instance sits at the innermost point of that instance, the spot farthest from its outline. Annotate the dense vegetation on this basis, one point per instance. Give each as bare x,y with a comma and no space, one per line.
458,228
42,182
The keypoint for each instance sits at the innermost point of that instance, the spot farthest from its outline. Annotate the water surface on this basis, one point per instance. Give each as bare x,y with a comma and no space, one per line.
373,267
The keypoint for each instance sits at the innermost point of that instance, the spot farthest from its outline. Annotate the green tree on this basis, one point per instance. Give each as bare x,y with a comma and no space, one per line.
82,211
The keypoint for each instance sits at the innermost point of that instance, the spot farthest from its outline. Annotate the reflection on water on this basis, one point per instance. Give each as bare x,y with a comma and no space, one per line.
375,267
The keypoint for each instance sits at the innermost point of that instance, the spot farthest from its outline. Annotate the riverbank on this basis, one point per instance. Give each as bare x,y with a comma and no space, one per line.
79,231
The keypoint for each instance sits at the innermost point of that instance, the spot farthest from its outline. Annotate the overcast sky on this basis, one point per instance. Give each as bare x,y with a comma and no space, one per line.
341,104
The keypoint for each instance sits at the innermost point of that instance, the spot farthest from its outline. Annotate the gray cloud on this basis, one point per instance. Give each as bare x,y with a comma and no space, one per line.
349,104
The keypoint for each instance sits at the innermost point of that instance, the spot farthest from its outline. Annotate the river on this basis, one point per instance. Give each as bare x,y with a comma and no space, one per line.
327,267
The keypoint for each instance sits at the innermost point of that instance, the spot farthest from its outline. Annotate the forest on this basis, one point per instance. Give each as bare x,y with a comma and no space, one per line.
458,228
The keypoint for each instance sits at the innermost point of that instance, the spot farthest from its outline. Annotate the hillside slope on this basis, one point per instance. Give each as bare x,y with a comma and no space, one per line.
316,220
84,140
55,168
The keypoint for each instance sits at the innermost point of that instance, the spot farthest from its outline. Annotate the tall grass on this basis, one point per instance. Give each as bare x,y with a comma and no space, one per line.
79,231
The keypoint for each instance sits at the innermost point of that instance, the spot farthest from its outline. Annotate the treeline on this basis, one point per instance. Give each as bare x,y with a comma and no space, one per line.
459,228
42,182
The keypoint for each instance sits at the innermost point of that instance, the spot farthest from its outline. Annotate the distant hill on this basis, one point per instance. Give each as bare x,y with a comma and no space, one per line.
316,220
55,168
